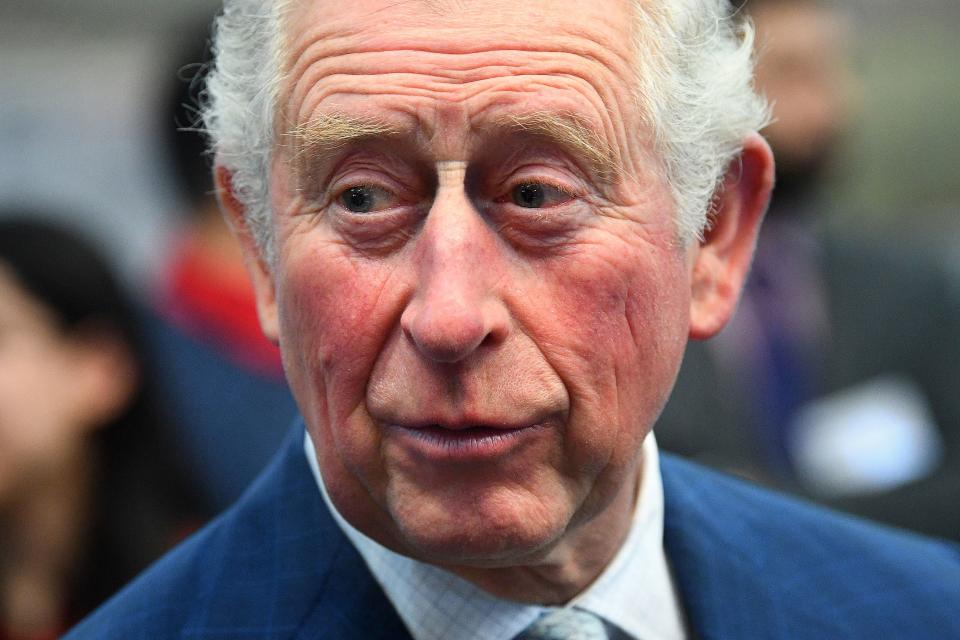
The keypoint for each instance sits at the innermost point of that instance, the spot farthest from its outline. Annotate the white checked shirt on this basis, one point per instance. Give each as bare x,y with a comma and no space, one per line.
635,592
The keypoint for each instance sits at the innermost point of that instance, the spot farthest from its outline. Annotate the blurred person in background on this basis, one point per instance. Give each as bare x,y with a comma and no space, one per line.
90,491
837,376
223,377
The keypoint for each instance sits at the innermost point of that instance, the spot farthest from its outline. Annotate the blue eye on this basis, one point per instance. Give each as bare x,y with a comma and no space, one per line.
364,199
535,195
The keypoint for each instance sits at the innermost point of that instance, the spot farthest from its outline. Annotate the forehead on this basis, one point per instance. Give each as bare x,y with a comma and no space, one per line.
522,17
17,306
456,59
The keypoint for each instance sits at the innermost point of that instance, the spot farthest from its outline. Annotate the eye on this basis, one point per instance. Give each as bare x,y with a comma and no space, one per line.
366,198
536,195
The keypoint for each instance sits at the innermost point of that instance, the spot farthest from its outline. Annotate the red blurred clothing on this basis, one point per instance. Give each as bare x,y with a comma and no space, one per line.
212,300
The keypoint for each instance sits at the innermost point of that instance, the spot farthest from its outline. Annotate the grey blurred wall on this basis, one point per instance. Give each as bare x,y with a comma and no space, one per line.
901,166
81,85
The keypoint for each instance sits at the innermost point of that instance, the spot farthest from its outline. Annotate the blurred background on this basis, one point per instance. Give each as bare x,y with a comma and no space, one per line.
81,93
130,414
837,378
79,84
86,88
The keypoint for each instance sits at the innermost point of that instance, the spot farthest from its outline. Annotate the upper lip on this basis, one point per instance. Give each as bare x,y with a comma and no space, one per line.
461,426
460,423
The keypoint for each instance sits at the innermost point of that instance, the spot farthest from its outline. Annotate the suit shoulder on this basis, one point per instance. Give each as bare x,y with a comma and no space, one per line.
794,551
161,602
754,511
256,571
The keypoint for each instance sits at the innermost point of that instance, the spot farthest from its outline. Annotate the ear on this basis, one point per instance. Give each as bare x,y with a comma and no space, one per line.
257,268
723,258
105,376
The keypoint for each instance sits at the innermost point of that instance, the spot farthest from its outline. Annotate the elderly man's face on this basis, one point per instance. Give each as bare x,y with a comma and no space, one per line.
479,294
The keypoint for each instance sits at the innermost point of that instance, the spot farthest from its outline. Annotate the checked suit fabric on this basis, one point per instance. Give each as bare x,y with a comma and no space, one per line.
748,564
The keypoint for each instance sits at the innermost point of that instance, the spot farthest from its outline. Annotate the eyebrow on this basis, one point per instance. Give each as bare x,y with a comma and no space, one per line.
328,133
569,131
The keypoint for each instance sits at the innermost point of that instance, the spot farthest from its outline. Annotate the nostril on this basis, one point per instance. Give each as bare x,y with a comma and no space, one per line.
495,334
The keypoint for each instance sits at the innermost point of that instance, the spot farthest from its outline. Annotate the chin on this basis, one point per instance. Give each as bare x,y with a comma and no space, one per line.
483,534
481,551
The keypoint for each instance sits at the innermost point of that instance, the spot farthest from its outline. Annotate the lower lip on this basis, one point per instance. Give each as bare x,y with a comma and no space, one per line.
479,443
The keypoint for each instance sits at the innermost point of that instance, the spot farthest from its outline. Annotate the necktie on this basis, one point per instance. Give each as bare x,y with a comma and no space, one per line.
565,624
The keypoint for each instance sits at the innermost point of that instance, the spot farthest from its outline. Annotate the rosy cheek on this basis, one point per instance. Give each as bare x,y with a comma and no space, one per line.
602,309
335,315
613,339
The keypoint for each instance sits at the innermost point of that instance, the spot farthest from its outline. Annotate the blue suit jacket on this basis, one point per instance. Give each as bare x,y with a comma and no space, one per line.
749,564
228,421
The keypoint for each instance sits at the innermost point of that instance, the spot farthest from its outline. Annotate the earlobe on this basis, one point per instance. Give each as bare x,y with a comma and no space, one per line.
257,268
723,257
105,375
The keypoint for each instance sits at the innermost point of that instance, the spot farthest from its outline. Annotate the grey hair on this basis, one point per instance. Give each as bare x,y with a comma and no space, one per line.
240,104
694,83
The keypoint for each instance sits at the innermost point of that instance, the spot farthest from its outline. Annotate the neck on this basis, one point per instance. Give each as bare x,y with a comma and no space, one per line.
572,565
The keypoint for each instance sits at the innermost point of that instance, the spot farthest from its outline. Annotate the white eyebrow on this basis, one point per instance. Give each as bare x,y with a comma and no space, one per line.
327,133
569,131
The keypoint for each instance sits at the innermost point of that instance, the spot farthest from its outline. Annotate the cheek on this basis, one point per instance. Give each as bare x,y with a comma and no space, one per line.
37,421
616,333
336,312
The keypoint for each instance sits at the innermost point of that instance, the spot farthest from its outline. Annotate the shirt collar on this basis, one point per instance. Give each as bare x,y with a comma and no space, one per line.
636,592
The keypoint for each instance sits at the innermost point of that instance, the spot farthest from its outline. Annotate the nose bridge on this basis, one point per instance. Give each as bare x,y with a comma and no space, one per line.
457,245
455,308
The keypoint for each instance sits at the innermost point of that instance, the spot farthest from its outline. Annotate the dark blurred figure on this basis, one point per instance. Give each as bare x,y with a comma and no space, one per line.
89,487
837,377
224,379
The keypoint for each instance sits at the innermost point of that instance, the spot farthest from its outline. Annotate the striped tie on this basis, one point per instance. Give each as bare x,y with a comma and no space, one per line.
565,624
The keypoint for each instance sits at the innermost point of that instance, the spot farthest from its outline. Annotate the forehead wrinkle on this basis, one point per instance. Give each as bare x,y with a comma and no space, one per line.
460,68
456,46
305,42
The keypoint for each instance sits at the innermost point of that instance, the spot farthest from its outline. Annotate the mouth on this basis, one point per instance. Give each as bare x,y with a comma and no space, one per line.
462,442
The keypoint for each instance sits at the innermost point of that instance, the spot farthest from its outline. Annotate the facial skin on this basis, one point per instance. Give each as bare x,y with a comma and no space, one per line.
481,320
57,385
54,388
34,373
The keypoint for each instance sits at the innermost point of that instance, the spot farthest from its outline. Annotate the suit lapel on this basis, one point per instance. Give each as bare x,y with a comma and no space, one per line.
351,604
286,569
728,585
748,564
348,603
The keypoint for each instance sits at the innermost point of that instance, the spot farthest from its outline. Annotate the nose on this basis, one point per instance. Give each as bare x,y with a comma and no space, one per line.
456,308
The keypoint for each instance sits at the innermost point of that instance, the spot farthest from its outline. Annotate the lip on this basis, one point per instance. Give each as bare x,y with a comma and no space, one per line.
462,442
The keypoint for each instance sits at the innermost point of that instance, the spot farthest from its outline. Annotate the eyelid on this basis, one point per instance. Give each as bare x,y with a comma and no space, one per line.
546,181
563,189
556,174
365,171
342,181
345,180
